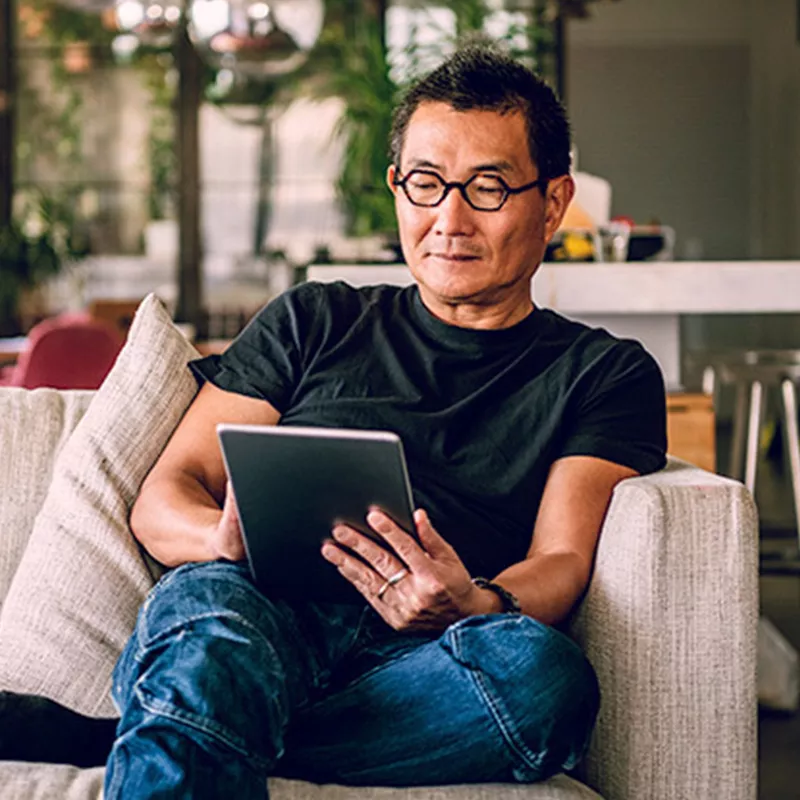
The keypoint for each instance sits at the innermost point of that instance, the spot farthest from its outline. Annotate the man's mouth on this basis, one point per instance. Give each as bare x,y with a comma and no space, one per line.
455,256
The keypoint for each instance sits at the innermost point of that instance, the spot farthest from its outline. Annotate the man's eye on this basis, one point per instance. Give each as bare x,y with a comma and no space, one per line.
422,183
488,186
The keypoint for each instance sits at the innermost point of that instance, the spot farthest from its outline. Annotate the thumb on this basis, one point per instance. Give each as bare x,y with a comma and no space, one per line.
226,540
230,497
230,510
433,544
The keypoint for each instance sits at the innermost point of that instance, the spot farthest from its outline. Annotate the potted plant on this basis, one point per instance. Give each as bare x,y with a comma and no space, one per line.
25,261
46,239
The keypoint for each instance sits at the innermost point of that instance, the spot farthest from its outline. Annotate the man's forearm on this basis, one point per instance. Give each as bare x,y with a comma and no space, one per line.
174,518
547,585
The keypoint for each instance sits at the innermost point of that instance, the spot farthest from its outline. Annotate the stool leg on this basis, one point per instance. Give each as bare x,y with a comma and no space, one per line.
753,435
792,439
736,460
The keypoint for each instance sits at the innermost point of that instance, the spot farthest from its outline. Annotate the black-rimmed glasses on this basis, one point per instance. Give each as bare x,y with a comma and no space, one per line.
482,192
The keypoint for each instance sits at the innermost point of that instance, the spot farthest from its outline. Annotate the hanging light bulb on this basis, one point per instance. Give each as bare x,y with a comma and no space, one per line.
153,22
255,38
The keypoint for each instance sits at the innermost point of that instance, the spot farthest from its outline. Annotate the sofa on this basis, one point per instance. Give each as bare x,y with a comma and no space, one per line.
669,619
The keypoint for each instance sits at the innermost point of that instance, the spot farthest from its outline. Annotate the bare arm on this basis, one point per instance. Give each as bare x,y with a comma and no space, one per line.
178,515
557,569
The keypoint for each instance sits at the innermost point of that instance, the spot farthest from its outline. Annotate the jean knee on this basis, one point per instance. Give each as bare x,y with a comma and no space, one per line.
205,643
194,591
537,684
188,594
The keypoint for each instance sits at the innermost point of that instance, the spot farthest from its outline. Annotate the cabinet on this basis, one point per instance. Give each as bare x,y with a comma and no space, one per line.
691,429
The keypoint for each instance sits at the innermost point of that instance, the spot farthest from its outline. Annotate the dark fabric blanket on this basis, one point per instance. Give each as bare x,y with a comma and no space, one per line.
37,729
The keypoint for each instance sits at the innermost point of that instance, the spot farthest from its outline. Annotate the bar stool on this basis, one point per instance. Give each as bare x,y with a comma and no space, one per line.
754,372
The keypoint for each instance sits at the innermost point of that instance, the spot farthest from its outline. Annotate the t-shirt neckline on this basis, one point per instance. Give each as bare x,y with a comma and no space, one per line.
456,336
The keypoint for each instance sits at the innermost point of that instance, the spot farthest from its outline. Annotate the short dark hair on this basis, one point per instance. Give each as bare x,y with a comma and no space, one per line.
481,76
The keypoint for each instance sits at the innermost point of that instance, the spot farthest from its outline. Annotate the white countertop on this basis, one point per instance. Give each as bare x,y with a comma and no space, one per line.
667,287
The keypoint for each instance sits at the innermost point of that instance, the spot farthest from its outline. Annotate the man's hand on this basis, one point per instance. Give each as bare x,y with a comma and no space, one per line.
430,587
226,540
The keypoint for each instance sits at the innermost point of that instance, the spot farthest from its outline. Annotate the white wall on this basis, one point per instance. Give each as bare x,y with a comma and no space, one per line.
730,72
775,129
658,92
660,21
667,125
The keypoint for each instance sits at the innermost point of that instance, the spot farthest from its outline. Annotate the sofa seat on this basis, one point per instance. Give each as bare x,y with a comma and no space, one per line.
20,781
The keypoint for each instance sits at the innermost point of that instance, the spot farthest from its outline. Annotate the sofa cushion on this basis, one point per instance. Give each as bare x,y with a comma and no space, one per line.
73,601
27,463
26,781
22,781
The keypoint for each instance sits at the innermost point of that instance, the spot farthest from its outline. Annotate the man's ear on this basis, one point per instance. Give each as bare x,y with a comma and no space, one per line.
560,192
390,173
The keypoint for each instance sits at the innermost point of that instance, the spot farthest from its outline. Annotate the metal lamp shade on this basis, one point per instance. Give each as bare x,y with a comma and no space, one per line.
255,38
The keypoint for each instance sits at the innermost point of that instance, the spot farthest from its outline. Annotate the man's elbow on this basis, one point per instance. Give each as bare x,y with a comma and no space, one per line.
140,516
150,515
144,525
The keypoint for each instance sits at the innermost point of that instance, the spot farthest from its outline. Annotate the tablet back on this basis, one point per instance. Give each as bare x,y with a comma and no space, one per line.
292,484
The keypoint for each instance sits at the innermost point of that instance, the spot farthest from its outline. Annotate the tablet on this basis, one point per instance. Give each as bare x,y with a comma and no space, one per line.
293,484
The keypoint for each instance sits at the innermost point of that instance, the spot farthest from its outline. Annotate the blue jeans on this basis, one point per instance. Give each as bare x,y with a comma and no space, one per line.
220,687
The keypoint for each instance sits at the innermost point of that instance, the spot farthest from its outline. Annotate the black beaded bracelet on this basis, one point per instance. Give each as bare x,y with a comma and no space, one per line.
510,603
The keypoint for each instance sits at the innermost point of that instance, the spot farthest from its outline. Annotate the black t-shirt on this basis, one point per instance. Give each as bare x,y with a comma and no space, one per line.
482,413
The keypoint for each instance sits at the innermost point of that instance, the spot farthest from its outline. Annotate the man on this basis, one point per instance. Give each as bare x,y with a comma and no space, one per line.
517,425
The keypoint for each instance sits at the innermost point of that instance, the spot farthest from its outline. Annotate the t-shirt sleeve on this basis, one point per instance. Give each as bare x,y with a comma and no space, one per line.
619,411
267,359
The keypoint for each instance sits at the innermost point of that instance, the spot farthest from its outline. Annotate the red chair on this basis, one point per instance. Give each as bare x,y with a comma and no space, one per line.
70,351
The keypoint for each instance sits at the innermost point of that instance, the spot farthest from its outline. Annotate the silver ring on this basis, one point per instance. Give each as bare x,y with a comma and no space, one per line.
391,581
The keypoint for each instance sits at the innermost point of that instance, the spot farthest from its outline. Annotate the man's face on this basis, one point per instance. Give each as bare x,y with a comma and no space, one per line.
458,255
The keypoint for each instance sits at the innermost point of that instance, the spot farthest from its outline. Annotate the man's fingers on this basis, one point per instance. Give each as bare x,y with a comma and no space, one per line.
359,574
380,559
435,545
401,542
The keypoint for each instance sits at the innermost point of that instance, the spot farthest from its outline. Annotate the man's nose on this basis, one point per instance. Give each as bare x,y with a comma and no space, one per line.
454,217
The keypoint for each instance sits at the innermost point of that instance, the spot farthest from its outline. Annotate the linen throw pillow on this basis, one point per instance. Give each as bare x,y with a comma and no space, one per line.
73,601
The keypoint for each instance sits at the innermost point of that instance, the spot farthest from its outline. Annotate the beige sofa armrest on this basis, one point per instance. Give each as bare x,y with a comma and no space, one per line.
669,623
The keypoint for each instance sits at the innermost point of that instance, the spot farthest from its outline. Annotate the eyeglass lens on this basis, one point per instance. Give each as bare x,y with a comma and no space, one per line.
427,189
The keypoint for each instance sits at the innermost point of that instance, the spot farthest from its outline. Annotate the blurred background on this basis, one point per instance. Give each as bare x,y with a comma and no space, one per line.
125,125
210,150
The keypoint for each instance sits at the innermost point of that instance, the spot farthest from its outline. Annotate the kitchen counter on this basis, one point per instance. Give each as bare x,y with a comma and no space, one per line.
640,300
671,287
666,287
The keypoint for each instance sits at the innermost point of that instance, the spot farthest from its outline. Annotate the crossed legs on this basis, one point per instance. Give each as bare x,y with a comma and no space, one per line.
219,688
